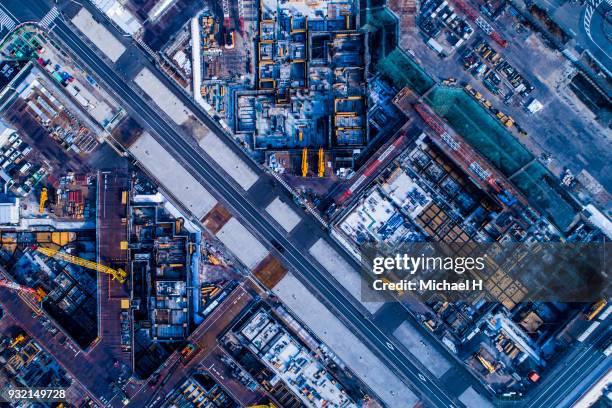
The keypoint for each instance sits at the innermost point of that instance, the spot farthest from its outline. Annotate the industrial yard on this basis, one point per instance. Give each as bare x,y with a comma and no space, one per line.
195,196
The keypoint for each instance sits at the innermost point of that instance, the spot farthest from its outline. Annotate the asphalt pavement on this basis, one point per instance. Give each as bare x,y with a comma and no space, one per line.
562,386
307,269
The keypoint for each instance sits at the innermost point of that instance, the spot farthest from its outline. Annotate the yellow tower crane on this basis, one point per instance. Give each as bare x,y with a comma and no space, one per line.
304,162
118,274
321,162
43,200
18,340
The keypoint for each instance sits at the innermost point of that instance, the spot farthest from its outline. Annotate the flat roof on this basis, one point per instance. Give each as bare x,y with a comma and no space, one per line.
99,35
234,165
172,175
162,96
242,243
283,214
359,358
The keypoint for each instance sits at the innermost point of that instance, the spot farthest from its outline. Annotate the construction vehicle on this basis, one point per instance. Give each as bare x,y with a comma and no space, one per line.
596,309
398,291
178,225
270,405
39,294
188,352
117,274
486,364
304,162
321,166
213,260
43,199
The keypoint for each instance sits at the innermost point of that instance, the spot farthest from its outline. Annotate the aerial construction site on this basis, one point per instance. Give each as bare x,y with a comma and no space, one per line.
204,204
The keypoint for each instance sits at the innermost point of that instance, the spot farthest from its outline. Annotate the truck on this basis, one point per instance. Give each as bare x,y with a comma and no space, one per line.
188,352
596,309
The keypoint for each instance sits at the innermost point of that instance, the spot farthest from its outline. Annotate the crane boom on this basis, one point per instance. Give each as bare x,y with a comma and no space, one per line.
321,167
39,293
304,162
118,274
17,287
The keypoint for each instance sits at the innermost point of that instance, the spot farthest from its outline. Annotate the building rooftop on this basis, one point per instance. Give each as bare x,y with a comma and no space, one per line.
293,362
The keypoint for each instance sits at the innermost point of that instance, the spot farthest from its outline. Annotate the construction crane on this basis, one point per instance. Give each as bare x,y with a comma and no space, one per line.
270,405
117,274
18,340
43,200
321,162
39,294
304,162
480,22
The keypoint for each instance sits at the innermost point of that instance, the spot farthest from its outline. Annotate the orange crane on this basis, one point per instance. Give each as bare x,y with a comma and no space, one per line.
117,274
321,162
39,294
304,162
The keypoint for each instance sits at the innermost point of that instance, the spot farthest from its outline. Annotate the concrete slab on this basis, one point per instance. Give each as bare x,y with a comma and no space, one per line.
369,368
229,161
419,347
341,271
99,35
283,214
242,243
162,96
172,175
471,399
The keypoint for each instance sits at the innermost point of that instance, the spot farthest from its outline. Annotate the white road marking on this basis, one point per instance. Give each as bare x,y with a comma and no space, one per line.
49,17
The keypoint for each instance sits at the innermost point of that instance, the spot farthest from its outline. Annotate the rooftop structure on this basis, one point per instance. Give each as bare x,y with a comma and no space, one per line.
310,87
293,362
201,390
120,15
160,263
9,210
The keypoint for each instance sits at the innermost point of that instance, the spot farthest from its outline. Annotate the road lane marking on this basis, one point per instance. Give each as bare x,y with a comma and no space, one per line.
180,146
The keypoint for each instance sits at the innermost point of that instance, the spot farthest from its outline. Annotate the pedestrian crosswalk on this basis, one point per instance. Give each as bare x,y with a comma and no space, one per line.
6,21
49,17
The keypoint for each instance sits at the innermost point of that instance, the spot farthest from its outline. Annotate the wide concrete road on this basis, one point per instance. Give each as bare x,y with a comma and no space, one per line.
563,386
310,272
